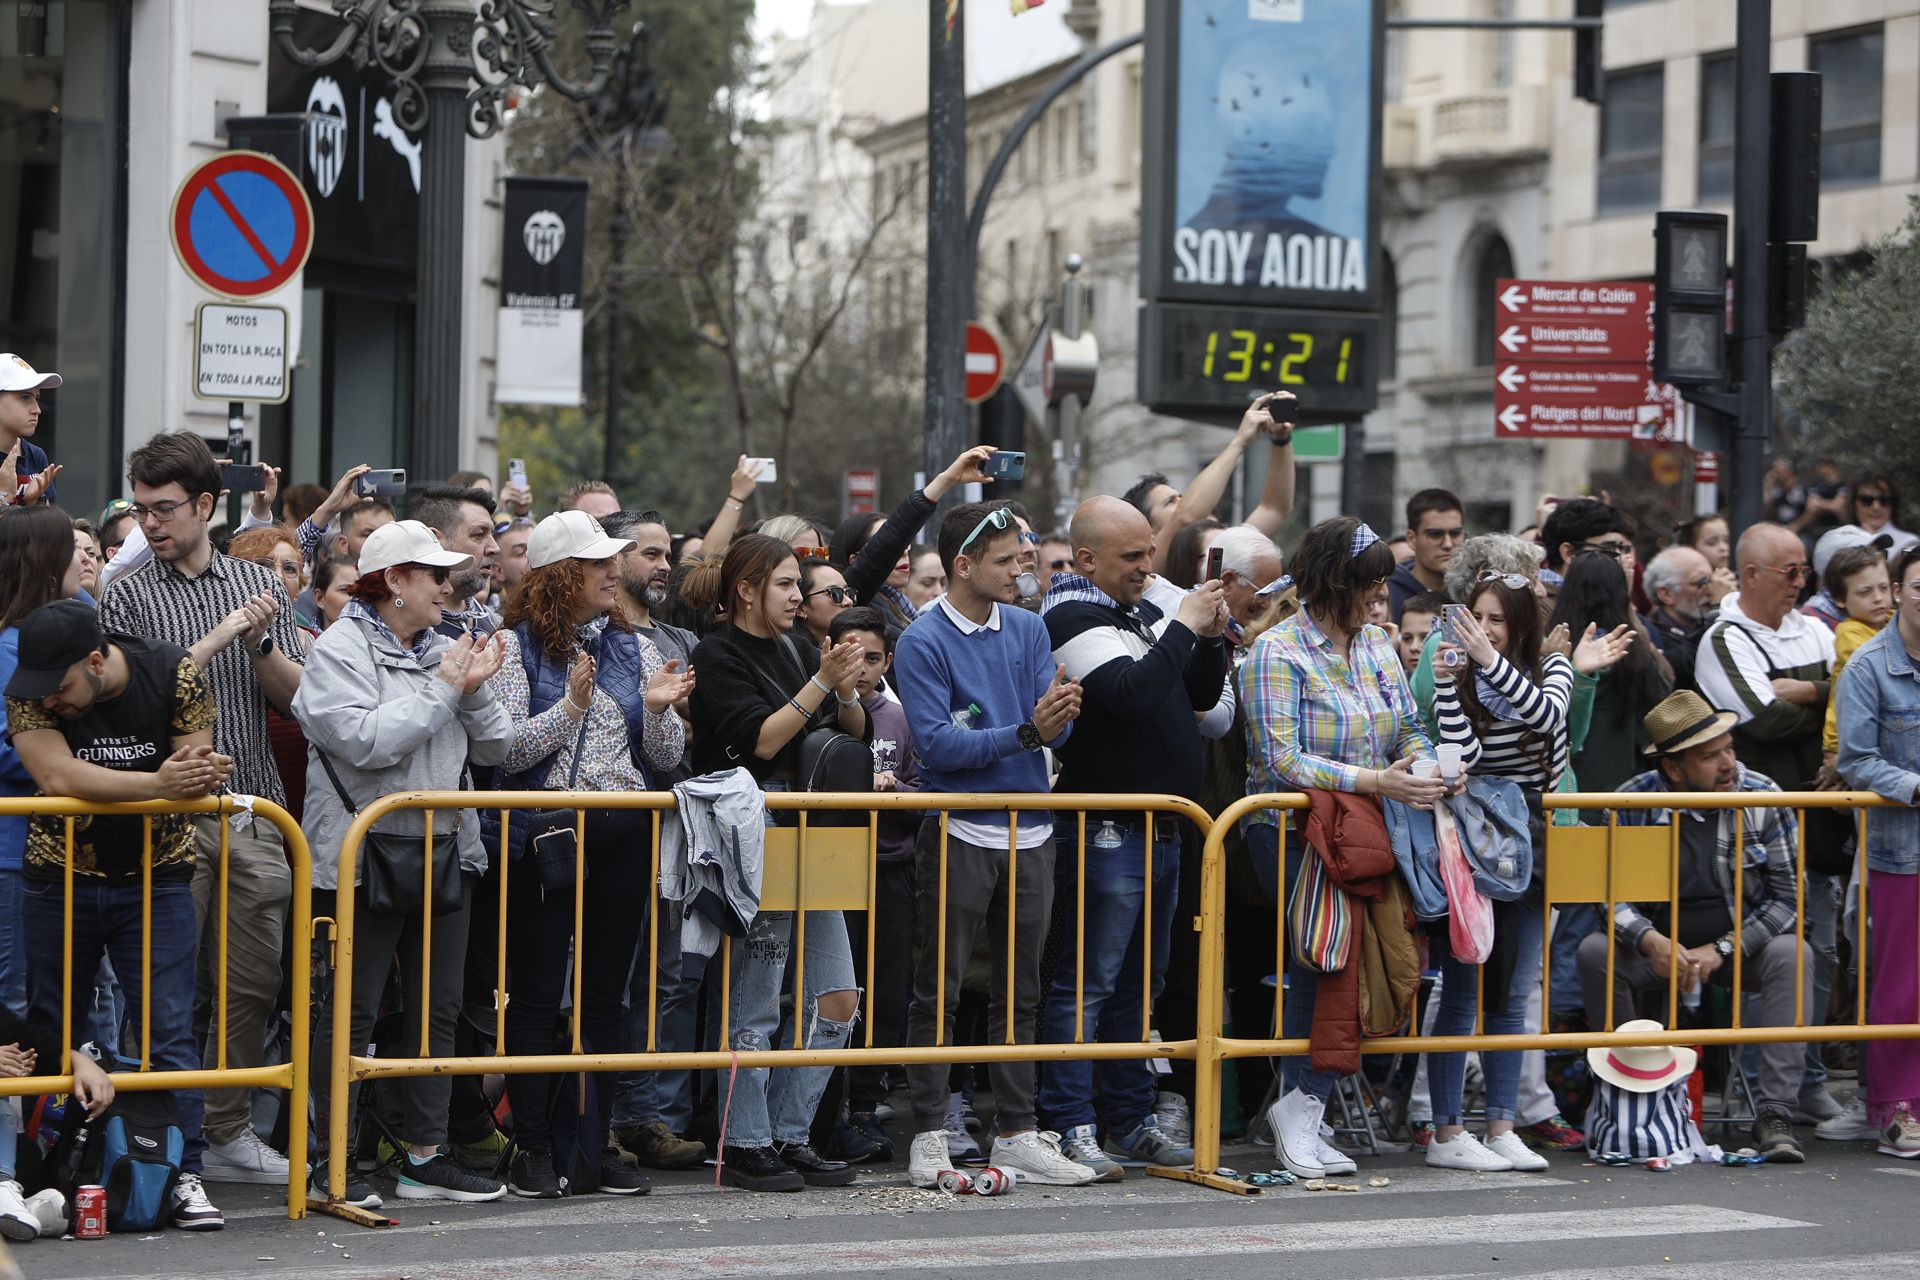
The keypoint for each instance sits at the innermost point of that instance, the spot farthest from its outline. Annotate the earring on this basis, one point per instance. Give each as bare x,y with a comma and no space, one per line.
399,602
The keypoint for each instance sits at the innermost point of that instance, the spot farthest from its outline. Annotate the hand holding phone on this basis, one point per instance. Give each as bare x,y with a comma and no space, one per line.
390,483
1216,559
241,477
765,470
1003,464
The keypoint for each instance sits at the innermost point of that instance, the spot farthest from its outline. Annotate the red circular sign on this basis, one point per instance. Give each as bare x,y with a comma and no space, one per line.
985,367
241,224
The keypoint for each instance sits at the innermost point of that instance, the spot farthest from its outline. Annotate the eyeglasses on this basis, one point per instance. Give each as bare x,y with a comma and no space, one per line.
1618,550
1874,499
1701,584
1511,581
1029,539
839,595
1792,572
1059,564
284,566
518,522
160,511
814,553
999,518
1444,535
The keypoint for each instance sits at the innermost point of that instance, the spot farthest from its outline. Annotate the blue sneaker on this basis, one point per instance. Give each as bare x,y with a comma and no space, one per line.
1147,1144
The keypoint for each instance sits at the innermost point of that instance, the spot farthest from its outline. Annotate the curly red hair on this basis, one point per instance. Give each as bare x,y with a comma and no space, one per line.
545,601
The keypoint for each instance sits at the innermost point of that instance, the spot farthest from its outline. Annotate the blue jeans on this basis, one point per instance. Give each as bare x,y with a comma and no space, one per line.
13,995
1571,926
641,1097
106,921
1459,995
765,1105
1303,984
1116,892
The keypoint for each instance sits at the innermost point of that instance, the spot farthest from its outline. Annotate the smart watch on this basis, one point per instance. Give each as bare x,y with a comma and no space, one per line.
1724,945
1029,736
265,646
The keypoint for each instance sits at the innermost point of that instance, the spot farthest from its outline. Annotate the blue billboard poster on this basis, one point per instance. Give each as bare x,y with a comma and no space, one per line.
1263,161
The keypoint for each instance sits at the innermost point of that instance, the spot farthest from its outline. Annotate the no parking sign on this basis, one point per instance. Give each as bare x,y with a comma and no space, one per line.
241,224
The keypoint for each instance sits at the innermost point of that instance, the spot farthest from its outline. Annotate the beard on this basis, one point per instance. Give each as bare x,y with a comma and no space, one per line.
471,583
645,591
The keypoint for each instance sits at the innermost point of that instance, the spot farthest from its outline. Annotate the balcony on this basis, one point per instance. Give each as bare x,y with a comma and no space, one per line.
1468,130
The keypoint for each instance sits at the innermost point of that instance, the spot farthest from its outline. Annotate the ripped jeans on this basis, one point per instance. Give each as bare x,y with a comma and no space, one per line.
778,1105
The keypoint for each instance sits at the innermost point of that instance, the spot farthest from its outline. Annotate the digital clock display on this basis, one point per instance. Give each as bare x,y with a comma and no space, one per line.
1201,357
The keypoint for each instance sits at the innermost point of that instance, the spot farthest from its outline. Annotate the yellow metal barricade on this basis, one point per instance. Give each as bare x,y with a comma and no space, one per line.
809,866
1593,863
291,1075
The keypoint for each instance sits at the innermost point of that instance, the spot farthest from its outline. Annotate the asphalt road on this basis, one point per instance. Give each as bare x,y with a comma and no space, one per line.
1848,1213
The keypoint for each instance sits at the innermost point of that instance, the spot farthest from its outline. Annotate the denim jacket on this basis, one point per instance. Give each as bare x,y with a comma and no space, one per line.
1879,699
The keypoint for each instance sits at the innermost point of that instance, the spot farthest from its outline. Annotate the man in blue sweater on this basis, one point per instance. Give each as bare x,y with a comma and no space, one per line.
1145,679
983,696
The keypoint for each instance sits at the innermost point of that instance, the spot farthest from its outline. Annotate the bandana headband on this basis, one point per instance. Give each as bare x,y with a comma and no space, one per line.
1363,537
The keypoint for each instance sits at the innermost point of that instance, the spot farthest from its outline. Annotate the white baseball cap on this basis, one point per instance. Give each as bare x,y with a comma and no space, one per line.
1841,537
17,375
571,535
407,542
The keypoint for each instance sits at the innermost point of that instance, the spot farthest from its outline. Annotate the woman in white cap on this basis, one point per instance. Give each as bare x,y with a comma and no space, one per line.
389,704
592,708
26,477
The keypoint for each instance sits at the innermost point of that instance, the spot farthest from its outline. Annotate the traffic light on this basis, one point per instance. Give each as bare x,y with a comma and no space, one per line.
1690,298
1589,83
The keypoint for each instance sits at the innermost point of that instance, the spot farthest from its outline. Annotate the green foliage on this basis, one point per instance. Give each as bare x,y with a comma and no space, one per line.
1849,376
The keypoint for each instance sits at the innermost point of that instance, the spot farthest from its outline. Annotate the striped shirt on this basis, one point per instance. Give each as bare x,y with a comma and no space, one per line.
1770,882
1531,747
1317,719
159,601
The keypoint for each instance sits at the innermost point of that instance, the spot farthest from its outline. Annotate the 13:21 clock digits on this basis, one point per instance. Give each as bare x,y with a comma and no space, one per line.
1231,356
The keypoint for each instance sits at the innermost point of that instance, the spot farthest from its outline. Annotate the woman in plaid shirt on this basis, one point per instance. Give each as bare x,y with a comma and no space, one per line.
1327,706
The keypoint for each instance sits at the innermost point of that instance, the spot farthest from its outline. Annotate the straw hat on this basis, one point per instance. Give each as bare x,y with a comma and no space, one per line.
1682,720
1645,1069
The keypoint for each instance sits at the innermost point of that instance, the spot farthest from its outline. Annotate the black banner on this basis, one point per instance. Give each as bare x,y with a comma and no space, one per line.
543,252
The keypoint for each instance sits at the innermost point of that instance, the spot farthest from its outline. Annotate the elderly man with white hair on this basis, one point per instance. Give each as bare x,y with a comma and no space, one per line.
1679,580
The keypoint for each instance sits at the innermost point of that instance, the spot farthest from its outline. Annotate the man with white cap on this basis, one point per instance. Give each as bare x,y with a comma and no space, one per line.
27,476
1693,744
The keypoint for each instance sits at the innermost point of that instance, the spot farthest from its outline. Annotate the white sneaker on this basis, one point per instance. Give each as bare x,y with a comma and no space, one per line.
927,1159
1464,1151
17,1222
1517,1153
1081,1144
1296,1118
192,1211
1036,1157
1851,1125
50,1207
1175,1117
1335,1161
1901,1137
961,1148
245,1159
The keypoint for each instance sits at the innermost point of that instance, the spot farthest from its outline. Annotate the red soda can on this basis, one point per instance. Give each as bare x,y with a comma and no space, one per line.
954,1182
90,1212
992,1181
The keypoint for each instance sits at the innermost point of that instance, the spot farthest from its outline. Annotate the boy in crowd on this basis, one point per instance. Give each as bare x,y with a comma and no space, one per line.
1418,617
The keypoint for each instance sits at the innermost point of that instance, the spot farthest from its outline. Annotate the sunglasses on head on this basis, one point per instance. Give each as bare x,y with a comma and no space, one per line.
1617,550
839,595
999,518
1511,581
518,522
814,553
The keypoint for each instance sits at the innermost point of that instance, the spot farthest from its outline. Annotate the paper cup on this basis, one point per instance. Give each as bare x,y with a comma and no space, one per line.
1449,753
1426,768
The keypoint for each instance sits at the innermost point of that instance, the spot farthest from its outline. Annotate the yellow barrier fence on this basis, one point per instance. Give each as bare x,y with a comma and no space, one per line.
809,866
291,1075
1593,863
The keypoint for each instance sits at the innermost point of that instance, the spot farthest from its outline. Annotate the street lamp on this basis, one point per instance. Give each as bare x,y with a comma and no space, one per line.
454,69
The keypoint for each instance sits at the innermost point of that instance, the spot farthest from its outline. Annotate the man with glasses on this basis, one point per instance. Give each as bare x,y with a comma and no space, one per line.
1436,526
1056,556
1772,667
236,621
1678,579
1587,526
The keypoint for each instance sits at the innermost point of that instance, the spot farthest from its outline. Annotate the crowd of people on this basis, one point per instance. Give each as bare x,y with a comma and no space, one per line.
1431,687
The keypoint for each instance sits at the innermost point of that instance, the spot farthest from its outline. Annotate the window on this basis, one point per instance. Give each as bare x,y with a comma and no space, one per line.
1496,263
1630,122
1850,70
1716,128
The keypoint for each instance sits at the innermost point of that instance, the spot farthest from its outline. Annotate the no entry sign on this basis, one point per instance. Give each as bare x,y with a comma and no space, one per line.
985,365
241,225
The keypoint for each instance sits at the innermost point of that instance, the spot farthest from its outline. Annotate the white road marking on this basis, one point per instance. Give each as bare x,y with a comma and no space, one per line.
1847,1268
1905,1173
1079,1249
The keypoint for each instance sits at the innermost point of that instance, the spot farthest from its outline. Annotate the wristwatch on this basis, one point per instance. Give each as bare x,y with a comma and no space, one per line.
1029,736
265,646
1724,945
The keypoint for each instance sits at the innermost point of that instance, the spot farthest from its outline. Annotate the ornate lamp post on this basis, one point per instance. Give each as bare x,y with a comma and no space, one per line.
453,67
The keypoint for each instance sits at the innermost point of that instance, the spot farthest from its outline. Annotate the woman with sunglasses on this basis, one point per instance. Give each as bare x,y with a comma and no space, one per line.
759,695
1876,508
390,704
1505,703
592,709
823,594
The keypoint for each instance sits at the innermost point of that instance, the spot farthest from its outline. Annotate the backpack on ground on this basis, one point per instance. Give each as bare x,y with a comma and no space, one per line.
133,1150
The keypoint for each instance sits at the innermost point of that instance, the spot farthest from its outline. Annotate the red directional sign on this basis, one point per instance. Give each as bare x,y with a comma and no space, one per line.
241,224
1573,360
985,365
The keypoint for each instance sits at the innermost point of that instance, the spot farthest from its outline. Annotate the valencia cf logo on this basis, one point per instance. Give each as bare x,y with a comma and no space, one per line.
326,134
544,234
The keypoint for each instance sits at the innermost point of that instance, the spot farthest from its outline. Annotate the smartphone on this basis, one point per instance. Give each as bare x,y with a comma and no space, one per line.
517,471
390,483
241,477
765,470
1449,627
1216,557
1005,464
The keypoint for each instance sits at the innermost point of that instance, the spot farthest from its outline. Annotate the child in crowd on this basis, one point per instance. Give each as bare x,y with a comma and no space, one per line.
1417,621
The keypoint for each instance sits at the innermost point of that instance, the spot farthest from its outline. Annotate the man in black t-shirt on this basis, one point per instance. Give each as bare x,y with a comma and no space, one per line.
117,718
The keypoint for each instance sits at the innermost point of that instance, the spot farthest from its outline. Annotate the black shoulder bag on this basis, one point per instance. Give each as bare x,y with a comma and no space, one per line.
393,866
831,759
553,835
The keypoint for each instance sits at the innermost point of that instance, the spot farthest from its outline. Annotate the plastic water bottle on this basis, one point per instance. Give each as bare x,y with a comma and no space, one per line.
966,717
1107,837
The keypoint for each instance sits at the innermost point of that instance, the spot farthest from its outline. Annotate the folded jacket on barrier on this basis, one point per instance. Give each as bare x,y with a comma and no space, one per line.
1416,850
712,849
1373,995
1496,835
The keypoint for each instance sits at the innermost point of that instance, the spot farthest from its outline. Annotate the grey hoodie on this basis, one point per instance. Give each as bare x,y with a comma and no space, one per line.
389,723
712,851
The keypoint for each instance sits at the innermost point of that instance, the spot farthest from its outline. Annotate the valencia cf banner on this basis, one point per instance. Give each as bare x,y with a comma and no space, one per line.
543,257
